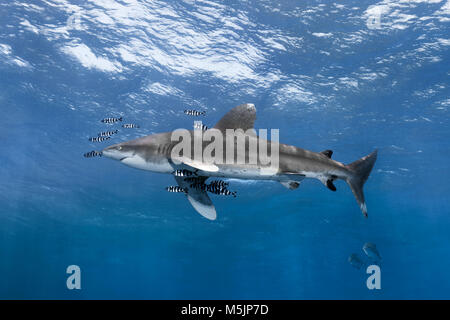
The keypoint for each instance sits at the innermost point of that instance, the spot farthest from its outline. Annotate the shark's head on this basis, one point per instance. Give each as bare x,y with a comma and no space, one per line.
121,151
139,153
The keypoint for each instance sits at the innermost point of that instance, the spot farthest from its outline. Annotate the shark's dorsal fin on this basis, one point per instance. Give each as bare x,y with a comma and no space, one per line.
327,153
240,117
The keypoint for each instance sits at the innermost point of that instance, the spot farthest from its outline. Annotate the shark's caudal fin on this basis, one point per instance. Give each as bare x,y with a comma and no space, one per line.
360,170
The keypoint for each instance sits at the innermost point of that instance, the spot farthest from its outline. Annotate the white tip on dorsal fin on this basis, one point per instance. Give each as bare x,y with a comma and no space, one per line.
240,117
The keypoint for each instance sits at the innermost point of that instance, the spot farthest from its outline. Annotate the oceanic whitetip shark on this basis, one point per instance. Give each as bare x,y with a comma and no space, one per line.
154,153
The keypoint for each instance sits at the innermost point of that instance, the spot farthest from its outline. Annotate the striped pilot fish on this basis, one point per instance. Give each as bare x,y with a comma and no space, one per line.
222,191
107,133
199,126
227,193
194,113
184,173
130,126
99,139
193,179
176,189
92,154
199,186
213,189
111,120
218,183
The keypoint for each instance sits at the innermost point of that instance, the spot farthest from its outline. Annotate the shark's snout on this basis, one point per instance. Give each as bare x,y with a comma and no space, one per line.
116,152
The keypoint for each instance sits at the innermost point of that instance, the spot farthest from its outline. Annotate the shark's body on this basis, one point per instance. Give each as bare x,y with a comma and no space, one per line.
154,153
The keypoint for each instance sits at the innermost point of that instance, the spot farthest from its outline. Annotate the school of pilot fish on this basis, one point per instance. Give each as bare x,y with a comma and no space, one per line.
106,135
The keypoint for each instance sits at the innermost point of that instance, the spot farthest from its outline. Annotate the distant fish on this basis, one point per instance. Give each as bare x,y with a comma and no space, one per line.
184,173
194,113
92,154
99,139
130,126
199,126
175,189
111,120
356,261
107,133
370,249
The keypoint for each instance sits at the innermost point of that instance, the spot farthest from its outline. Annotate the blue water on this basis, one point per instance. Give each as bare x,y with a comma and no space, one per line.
320,72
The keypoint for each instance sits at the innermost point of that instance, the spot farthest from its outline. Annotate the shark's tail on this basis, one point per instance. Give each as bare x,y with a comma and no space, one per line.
360,170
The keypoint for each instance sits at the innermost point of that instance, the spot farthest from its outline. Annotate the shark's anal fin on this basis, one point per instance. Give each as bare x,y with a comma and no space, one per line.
328,181
240,117
198,198
327,153
330,185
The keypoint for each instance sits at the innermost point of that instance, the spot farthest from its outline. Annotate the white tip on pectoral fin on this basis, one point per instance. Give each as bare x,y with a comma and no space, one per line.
199,199
205,208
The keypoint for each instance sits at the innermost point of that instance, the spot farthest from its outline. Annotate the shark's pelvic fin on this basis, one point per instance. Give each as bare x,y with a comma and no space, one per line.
198,198
291,185
291,180
327,153
240,117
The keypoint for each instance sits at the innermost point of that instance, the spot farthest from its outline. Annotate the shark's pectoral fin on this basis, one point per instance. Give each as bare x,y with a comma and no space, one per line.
327,153
198,198
240,117
291,185
198,165
202,203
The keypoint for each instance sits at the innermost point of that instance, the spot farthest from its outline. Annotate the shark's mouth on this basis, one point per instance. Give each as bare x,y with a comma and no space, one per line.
123,158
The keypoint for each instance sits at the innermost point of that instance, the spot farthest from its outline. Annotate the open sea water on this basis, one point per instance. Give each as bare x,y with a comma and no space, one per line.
350,76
